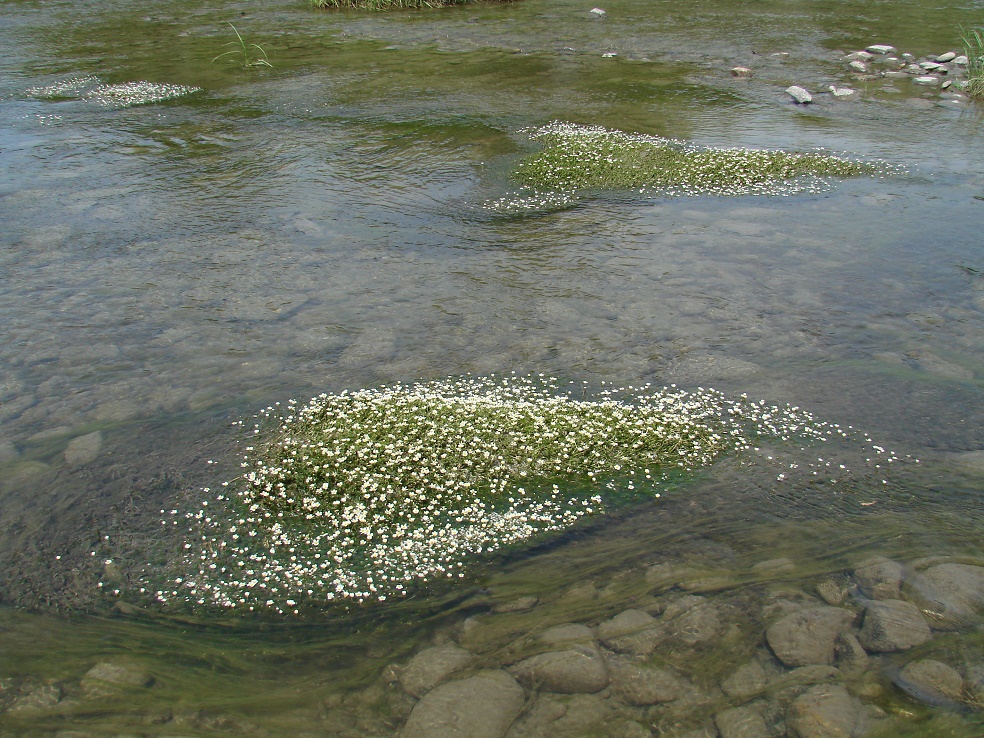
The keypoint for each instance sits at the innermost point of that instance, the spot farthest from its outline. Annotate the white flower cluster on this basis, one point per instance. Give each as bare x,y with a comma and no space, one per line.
365,495
123,95
576,158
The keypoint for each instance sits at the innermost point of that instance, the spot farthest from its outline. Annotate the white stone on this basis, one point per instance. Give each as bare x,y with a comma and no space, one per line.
962,60
947,57
799,94
598,12
881,49
927,81
859,56
930,66
741,72
858,66
609,55
841,91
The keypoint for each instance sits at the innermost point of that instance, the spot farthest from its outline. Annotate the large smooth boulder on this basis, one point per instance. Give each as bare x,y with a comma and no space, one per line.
808,636
481,706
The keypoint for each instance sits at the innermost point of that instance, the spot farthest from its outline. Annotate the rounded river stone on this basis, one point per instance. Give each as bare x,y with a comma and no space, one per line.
893,625
481,706
808,636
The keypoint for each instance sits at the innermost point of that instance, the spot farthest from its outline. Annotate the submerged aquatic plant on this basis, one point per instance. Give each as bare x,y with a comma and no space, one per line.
366,495
575,158
386,4
123,95
243,50
974,47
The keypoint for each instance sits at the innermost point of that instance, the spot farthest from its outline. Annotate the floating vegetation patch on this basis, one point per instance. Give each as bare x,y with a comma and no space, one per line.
387,4
123,95
369,495
578,158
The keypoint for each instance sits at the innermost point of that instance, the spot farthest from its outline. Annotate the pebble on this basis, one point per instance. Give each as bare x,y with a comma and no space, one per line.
579,669
800,95
480,706
598,12
926,81
841,91
432,666
808,636
881,49
741,72
932,682
893,625
947,57
862,56
858,66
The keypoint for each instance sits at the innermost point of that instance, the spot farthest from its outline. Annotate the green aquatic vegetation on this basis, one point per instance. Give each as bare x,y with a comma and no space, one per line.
386,4
123,95
974,47
243,52
574,158
371,494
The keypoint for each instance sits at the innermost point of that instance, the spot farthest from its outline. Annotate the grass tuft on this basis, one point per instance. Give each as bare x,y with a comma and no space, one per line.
974,48
251,55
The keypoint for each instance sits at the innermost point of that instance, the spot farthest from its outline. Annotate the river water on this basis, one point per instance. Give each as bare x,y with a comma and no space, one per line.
320,225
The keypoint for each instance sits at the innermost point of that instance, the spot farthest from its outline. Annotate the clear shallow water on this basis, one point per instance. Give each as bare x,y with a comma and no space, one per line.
168,269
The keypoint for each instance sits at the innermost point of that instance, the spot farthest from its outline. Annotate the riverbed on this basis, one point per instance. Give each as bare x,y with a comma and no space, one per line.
324,224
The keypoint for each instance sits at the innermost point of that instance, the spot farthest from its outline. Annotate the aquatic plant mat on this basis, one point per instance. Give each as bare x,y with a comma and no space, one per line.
387,4
576,158
123,95
377,493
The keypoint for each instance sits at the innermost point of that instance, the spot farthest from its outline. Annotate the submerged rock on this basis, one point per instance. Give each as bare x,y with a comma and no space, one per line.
579,669
893,625
746,681
566,633
879,578
931,681
951,594
481,706
432,666
107,675
83,449
640,684
808,636
828,711
741,722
